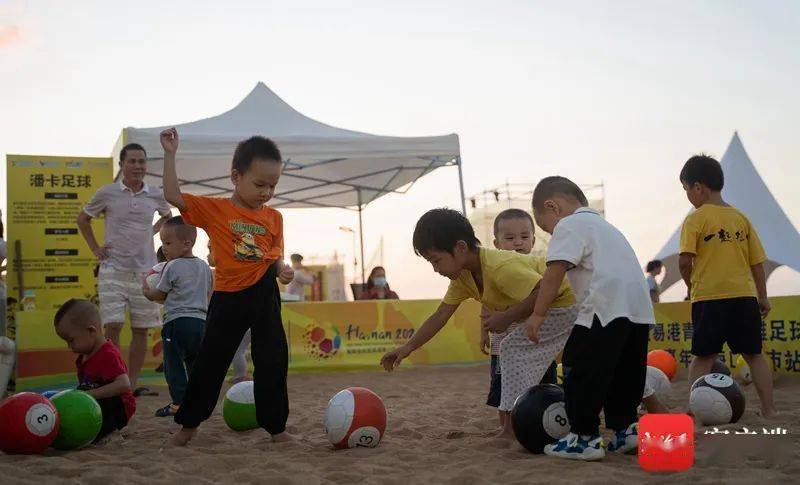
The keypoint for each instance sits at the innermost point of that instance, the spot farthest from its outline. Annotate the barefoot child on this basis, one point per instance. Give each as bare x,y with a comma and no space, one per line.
184,288
608,346
498,279
513,231
101,371
722,262
247,240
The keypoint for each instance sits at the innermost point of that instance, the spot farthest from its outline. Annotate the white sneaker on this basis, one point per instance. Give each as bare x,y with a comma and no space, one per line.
626,441
575,447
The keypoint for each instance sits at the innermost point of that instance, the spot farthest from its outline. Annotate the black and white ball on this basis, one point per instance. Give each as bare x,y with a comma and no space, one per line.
716,399
719,367
539,417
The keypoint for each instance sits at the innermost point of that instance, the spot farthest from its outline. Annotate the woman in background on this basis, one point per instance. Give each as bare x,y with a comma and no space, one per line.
378,287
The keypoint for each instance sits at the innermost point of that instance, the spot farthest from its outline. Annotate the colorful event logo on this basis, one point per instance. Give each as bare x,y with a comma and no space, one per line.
322,343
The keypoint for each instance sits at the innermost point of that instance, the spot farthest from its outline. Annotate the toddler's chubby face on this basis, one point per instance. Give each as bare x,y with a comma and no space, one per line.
515,235
256,185
171,244
79,338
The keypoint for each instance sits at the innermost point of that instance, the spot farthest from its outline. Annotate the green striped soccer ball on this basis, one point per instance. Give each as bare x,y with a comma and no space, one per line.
239,407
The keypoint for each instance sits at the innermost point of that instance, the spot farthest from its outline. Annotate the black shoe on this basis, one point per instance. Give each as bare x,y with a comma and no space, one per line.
160,368
167,411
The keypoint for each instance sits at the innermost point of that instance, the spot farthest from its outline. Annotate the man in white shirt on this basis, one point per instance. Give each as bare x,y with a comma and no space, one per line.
127,253
302,277
607,350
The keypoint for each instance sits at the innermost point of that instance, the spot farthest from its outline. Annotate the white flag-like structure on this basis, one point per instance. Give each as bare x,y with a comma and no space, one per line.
325,166
745,190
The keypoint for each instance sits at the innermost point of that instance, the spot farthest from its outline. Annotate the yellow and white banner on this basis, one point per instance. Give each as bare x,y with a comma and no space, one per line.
780,334
331,336
45,196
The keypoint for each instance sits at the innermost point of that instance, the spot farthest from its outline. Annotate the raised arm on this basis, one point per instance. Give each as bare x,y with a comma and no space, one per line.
172,189
431,327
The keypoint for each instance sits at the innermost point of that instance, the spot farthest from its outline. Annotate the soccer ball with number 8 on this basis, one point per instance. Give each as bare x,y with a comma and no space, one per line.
539,417
28,424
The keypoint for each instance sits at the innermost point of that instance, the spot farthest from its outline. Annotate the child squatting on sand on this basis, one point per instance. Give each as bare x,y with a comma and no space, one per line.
101,371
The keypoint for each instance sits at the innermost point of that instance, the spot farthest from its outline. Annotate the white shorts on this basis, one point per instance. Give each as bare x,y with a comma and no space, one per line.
119,290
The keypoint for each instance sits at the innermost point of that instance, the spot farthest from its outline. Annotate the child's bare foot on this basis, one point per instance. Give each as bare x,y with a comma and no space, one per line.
283,437
769,413
505,434
183,436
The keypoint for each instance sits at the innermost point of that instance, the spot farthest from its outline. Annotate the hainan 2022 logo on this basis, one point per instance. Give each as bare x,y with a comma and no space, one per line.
322,343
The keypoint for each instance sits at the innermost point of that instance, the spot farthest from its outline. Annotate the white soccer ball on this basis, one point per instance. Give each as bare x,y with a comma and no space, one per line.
154,275
339,416
656,382
716,399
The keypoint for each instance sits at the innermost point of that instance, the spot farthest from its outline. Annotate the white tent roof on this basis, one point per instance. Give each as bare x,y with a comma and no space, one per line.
745,190
325,166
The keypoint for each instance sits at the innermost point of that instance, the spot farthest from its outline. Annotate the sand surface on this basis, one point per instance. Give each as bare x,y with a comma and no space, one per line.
439,432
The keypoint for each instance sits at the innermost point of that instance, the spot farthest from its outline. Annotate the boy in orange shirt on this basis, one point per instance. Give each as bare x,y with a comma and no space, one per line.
247,240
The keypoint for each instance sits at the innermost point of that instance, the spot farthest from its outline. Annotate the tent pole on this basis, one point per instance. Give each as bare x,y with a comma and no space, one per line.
461,187
361,235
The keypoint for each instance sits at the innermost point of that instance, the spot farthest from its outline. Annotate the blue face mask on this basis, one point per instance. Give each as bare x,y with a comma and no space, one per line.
380,281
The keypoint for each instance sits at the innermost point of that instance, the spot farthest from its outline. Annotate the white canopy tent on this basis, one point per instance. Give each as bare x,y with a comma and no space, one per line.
324,166
745,190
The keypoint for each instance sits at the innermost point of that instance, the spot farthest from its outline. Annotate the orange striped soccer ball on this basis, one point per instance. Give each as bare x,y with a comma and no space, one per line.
663,361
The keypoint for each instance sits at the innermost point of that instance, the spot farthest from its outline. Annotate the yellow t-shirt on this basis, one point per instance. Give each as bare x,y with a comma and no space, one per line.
725,246
508,278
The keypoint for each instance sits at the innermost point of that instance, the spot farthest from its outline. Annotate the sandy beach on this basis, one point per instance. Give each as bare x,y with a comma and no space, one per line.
439,431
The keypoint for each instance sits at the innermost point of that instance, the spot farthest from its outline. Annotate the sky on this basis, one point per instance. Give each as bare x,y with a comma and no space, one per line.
615,92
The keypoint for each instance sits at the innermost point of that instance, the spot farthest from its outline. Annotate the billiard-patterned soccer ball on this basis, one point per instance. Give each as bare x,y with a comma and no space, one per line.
28,423
539,417
716,399
355,417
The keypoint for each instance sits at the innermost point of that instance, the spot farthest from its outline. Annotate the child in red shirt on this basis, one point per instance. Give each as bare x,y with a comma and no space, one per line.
101,371
247,240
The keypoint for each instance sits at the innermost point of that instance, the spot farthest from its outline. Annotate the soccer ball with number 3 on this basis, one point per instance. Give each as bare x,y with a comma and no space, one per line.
28,424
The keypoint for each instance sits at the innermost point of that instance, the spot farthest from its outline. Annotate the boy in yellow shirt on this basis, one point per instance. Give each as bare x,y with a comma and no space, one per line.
500,280
721,260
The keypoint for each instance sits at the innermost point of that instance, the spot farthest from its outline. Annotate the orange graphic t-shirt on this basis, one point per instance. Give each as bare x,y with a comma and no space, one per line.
245,242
